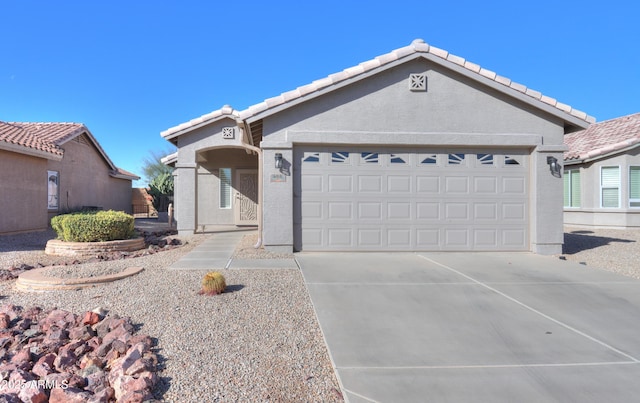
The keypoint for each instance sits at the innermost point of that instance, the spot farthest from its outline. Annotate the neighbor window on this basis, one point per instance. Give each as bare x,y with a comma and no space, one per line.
225,187
610,186
572,188
52,190
634,186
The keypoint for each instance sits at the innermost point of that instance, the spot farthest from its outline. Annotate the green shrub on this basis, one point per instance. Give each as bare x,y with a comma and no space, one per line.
93,226
213,283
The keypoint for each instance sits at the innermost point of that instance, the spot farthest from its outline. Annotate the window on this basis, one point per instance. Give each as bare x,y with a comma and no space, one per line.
311,157
610,186
508,160
430,159
485,159
370,158
572,188
340,157
225,187
397,159
634,186
456,159
52,190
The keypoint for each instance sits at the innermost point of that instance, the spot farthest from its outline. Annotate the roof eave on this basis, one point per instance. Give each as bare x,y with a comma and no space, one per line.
119,175
226,112
579,160
29,151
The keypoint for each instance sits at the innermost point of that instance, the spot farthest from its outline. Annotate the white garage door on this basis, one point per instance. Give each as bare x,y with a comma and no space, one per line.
404,200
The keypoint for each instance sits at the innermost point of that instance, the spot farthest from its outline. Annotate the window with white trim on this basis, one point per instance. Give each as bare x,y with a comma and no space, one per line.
225,188
610,187
53,179
572,188
634,186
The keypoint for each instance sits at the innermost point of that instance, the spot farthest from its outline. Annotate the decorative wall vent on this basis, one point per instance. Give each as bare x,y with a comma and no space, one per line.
418,82
228,133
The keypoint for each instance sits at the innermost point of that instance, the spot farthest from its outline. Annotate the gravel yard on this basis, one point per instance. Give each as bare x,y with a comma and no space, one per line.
259,341
616,250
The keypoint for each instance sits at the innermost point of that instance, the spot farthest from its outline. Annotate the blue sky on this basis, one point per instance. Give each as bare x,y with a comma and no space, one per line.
131,69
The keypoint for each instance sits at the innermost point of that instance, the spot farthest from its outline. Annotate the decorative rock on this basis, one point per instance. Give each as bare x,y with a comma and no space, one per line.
90,318
86,368
33,394
5,321
44,365
68,395
22,358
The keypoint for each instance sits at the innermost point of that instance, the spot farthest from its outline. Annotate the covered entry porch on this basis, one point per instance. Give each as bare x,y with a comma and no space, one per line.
225,190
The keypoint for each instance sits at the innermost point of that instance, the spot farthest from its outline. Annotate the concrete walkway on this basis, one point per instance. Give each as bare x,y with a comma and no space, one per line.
216,253
476,327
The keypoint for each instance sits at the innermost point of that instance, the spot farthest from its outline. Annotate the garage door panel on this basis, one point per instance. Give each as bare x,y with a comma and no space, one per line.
340,211
312,183
485,185
340,237
428,210
428,184
371,237
485,211
399,238
370,210
513,185
398,184
399,210
455,184
340,183
370,183
456,238
353,199
456,211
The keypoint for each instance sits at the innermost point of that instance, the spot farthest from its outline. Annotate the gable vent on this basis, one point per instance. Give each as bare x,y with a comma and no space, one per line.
418,82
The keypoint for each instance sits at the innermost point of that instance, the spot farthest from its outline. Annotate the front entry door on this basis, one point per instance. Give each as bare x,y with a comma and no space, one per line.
246,195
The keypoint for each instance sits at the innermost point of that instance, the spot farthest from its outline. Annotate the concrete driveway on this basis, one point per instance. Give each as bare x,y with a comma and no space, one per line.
476,327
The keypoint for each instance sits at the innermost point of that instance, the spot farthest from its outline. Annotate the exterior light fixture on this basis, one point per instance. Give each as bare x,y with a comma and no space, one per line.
278,160
554,166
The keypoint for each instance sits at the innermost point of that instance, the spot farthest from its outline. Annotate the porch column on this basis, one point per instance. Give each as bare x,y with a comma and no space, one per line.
185,197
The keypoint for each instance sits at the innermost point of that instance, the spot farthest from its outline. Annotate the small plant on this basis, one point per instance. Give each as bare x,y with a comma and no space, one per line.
213,283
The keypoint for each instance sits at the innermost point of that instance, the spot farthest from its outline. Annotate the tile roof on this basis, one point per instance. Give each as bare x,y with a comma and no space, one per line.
45,137
603,138
417,47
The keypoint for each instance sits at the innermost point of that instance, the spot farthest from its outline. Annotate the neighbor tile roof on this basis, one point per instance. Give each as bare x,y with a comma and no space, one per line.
46,137
418,46
603,138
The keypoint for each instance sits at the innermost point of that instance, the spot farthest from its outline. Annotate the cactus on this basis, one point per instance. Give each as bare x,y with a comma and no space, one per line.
213,283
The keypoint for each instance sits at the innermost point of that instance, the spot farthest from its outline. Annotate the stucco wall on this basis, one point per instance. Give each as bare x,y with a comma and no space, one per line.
23,192
590,213
208,189
455,110
201,153
85,181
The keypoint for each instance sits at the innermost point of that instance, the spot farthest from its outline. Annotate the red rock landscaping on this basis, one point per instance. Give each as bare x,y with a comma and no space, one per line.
57,356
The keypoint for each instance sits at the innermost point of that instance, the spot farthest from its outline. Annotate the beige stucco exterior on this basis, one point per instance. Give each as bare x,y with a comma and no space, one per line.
85,179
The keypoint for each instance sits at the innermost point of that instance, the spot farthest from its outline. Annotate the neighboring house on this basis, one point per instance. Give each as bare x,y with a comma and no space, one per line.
48,168
416,149
602,174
